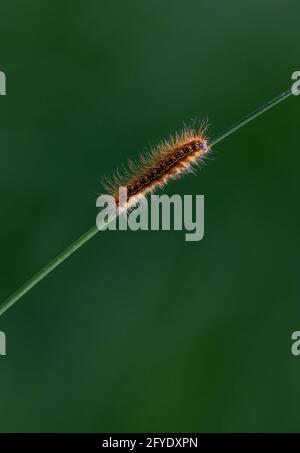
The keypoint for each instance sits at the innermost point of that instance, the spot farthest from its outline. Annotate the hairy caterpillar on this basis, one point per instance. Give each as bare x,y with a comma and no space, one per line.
167,161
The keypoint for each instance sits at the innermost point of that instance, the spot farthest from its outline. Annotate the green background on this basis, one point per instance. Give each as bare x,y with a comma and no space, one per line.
144,331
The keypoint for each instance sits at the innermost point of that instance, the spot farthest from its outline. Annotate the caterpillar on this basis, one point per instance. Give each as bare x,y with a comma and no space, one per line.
167,161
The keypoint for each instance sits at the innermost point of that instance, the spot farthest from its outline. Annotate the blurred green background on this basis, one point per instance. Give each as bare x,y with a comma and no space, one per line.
144,331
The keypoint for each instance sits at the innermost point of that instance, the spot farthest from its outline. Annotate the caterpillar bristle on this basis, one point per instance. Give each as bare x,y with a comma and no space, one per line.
169,160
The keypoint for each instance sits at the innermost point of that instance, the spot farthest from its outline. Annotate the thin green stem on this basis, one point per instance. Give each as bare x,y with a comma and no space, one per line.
92,232
47,269
281,97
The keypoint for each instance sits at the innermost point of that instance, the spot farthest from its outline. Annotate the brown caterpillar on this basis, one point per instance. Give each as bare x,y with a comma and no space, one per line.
167,161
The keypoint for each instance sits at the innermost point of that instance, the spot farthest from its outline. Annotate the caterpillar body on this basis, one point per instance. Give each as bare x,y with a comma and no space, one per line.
167,161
